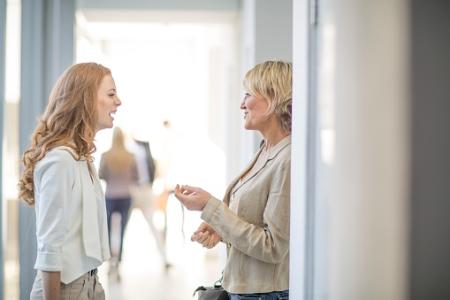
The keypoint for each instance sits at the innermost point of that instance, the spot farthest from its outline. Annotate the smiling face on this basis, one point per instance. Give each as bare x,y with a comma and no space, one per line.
268,103
255,110
107,103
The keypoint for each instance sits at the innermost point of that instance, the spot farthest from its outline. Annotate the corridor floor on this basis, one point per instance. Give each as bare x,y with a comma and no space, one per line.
142,272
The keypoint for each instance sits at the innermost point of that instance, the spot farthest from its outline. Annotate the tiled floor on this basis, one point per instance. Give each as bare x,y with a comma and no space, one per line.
143,275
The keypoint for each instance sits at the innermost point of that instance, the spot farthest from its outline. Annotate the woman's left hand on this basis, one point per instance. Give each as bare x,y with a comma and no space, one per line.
193,198
206,236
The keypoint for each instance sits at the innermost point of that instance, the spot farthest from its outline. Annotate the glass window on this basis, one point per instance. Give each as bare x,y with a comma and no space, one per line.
10,155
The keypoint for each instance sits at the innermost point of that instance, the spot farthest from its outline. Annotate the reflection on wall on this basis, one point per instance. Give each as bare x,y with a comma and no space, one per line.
326,93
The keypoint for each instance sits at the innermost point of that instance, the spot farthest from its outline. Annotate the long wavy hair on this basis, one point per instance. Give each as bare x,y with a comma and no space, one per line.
117,158
70,119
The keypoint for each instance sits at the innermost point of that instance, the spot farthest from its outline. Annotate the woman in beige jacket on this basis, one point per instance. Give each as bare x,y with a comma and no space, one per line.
253,218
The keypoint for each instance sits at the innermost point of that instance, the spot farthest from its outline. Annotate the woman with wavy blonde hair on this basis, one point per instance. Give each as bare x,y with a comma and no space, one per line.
61,183
253,218
118,168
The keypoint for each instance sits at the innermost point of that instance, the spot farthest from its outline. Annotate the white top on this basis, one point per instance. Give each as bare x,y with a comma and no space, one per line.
71,225
141,162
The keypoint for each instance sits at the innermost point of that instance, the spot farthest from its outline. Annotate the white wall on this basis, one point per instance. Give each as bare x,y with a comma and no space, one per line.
362,179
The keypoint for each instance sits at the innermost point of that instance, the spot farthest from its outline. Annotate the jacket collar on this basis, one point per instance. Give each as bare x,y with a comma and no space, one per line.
72,152
273,152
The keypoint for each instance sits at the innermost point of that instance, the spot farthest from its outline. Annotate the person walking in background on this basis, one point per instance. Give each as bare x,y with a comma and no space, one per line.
146,164
60,181
253,219
119,170
144,197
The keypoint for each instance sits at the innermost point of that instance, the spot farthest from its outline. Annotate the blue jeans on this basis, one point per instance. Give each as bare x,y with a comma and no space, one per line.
282,295
121,206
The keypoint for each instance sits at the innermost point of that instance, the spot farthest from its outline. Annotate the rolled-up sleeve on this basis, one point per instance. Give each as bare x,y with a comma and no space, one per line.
53,182
268,243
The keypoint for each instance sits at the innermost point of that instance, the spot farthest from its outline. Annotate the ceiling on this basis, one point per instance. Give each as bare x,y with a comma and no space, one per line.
215,5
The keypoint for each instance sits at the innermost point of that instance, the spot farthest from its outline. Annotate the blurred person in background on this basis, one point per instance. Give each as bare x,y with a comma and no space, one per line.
60,180
119,170
145,198
253,219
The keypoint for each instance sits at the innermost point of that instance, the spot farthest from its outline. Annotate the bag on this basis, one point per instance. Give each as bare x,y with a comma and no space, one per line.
215,292
211,293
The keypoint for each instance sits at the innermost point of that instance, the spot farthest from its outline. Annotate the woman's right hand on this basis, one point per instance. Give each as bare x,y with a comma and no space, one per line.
193,198
206,236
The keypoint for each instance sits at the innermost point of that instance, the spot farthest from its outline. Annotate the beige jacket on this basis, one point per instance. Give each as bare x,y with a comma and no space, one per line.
253,220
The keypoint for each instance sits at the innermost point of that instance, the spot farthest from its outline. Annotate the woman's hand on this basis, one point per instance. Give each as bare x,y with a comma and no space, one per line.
193,198
206,236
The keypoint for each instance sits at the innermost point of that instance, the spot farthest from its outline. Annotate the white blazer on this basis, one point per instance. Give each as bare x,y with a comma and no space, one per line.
71,224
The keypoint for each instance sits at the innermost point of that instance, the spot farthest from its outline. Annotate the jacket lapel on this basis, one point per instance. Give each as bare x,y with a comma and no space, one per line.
236,184
96,245
272,154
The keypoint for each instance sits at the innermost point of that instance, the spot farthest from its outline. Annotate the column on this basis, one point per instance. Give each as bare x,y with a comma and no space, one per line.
266,34
47,49
300,270
362,158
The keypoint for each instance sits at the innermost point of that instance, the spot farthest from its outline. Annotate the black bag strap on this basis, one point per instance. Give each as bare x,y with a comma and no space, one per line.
217,284
200,288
